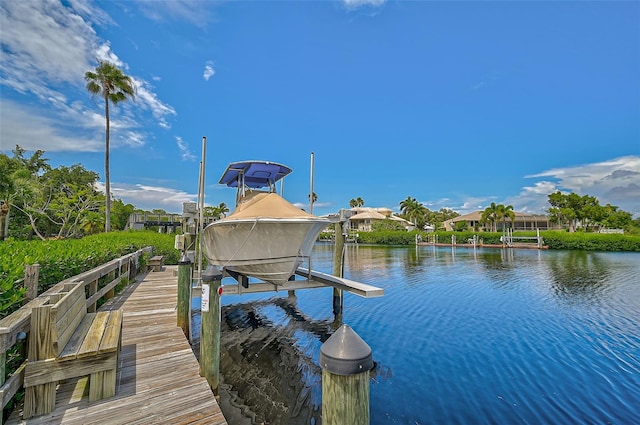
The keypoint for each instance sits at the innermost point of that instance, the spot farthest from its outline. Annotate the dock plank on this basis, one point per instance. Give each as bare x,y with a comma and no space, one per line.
158,378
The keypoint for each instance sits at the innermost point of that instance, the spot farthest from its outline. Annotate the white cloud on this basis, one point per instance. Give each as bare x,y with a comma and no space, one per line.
615,181
39,67
104,53
196,12
148,197
208,71
32,129
185,153
150,101
354,4
35,42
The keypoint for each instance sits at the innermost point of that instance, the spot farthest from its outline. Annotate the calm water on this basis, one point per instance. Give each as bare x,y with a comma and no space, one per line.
461,336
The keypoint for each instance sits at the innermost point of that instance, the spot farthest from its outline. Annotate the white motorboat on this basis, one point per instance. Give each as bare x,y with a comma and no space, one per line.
265,237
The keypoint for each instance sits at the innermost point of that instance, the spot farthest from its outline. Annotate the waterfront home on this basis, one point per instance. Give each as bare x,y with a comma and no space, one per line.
522,221
363,218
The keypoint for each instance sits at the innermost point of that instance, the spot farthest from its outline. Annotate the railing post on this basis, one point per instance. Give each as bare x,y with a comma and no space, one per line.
3,371
113,275
184,294
210,328
93,288
346,361
31,275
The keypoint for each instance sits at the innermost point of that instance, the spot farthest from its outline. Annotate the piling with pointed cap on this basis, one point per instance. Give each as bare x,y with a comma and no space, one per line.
210,327
184,294
346,361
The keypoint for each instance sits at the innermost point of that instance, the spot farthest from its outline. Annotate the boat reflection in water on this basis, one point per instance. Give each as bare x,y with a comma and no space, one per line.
265,237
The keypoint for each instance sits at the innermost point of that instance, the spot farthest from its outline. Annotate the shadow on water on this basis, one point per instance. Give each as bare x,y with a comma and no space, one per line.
269,361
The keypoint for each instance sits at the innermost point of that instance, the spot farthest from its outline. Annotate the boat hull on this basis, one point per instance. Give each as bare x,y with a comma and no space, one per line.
270,249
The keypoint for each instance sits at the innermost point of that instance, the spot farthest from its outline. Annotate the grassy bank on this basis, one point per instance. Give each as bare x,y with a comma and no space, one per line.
61,259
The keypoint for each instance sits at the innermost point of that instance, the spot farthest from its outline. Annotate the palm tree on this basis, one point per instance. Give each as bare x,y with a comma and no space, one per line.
358,202
222,210
114,86
92,223
503,213
414,211
490,215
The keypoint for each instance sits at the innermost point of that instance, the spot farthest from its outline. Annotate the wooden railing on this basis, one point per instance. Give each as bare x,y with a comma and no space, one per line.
99,282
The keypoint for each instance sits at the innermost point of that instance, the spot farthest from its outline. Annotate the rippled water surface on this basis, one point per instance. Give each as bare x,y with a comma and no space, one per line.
461,336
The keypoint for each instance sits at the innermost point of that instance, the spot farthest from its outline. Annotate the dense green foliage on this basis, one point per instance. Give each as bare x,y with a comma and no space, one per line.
37,200
386,225
61,259
586,212
387,237
552,239
591,241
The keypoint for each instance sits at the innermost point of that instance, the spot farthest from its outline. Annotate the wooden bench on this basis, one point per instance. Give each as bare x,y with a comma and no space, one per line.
156,263
67,342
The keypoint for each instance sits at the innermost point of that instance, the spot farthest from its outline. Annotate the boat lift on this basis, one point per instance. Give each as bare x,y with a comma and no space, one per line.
309,278
313,279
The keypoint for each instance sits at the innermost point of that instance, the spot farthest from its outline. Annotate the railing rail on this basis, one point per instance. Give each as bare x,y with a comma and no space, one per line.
16,326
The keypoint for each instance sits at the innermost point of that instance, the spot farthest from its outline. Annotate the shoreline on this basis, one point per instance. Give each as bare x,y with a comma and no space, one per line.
468,245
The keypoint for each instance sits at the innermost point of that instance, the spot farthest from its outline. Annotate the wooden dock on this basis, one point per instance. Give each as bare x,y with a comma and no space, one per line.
158,379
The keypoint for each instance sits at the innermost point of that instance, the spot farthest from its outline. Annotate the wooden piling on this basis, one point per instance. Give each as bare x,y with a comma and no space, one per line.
346,361
338,267
210,328
184,294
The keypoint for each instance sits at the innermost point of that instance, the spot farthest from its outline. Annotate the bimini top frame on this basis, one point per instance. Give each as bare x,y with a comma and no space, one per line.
254,174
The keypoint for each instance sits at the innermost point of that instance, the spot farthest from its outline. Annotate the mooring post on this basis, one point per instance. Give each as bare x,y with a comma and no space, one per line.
338,267
210,329
184,294
346,361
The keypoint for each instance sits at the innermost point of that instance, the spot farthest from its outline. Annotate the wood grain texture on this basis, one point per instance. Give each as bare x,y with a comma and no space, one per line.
158,379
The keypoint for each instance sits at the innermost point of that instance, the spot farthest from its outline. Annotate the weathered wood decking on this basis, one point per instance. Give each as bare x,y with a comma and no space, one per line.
158,378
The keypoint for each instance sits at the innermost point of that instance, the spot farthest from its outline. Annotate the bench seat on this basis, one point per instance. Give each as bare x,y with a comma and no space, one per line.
67,342
156,263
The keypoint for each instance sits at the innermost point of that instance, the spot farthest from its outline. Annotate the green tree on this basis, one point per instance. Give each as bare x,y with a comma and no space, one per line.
573,210
12,170
120,213
114,86
222,210
56,202
217,211
357,202
615,218
460,226
413,211
386,225
490,215
505,212
436,218
92,223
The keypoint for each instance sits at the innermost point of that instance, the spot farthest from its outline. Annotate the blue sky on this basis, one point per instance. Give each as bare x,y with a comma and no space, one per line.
457,104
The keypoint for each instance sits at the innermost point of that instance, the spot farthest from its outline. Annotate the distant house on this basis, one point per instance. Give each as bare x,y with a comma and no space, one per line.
363,218
523,221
